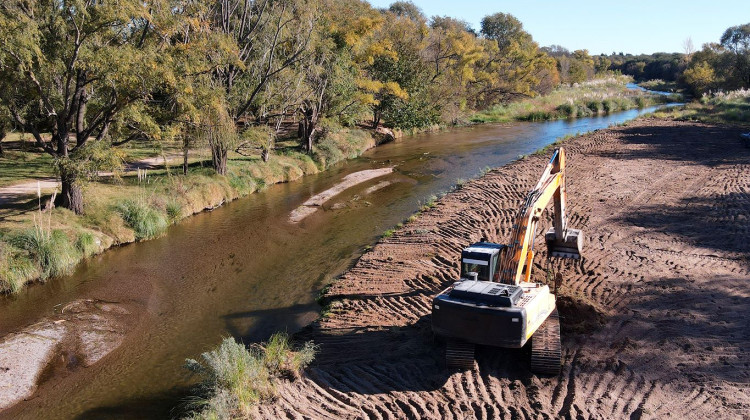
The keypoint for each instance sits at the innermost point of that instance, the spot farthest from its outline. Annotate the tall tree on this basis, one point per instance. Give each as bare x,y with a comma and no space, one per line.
75,69
514,66
272,36
736,40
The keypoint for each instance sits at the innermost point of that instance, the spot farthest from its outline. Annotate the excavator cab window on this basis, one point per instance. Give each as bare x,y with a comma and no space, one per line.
482,269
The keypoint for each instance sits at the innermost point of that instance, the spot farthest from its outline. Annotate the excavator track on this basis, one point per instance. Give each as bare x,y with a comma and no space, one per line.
546,349
459,355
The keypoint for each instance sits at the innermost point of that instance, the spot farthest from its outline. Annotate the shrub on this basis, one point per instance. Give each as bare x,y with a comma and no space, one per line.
174,211
51,251
86,244
236,378
567,110
146,221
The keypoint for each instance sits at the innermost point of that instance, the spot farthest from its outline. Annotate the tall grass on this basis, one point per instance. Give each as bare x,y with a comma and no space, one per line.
52,251
16,268
731,107
146,221
235,378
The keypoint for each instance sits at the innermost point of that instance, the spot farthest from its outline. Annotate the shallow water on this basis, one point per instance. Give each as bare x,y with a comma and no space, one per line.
245,270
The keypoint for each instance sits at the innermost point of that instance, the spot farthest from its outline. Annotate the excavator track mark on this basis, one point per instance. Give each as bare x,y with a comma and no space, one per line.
546,349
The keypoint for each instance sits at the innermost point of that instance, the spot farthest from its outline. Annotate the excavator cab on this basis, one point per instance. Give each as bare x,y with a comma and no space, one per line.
480,258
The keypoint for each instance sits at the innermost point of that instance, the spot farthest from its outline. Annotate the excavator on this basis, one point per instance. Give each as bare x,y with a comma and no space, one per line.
494,303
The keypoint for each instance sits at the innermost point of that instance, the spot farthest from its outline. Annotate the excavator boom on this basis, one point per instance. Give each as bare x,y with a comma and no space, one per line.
560,240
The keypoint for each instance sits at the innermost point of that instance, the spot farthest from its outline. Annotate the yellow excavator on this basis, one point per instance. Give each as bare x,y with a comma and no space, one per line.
494,303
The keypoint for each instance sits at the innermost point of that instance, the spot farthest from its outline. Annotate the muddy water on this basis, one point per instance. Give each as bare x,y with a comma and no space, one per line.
245,270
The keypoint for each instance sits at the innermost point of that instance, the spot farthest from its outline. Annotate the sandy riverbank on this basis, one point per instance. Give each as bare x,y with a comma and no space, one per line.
654,316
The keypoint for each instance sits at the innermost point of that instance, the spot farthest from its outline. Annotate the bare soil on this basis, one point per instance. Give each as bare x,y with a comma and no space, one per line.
654,316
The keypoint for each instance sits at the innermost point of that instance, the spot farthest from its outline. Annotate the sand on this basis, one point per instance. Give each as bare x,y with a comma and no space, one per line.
654,316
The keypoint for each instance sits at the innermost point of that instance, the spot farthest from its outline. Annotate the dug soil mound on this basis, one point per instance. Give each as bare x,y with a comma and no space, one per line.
655,314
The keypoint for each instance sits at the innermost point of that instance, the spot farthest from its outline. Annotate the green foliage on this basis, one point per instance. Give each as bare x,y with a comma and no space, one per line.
410,114
86,244
51,251
720,108
234,378
16,268
663,66
700,78
174,210
146,221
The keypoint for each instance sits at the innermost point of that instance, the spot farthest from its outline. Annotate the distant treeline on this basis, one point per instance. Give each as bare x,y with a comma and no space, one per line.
83,76
723,65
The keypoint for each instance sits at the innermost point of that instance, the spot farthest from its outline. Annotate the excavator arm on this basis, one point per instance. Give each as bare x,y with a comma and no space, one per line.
561,241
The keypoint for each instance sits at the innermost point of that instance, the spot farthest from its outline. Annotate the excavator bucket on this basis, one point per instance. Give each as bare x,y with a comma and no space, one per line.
568,247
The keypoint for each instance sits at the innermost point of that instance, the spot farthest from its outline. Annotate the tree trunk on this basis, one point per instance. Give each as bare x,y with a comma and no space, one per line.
72,196
219,153
185,161
2,137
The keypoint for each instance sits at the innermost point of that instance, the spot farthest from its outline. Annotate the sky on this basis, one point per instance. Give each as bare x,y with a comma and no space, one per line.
604,27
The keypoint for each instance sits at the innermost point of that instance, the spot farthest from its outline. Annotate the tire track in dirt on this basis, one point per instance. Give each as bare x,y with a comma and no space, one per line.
653,315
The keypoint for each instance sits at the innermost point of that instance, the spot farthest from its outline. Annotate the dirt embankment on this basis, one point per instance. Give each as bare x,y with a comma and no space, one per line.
654,316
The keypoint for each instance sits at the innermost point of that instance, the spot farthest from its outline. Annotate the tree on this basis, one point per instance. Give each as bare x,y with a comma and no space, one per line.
504,29
77,69
5,125
513,65
700,77
688,48
452,51
271,37
736,40
407,9
581,67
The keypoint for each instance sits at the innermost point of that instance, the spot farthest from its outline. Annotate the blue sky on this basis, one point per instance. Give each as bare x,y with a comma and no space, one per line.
629,26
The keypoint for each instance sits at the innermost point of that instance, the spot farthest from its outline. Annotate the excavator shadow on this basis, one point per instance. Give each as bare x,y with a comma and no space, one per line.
374,360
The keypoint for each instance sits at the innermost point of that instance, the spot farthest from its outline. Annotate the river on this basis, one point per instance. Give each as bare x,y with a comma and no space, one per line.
245,270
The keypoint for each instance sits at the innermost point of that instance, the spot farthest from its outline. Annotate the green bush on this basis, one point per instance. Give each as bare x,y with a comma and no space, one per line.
174,210
86,244
235,378
568,110
146,221
51,251
15,268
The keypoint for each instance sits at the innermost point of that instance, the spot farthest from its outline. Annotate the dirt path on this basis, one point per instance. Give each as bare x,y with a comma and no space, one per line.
13,193
655,320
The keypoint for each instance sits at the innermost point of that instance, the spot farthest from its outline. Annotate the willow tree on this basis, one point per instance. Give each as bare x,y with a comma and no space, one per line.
72,70
271,36
515,66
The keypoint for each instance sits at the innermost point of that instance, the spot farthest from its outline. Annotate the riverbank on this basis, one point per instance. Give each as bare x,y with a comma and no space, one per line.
603,95
126,209
36,245
662,207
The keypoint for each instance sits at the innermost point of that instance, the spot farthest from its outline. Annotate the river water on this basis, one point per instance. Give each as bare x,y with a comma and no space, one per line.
245,270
